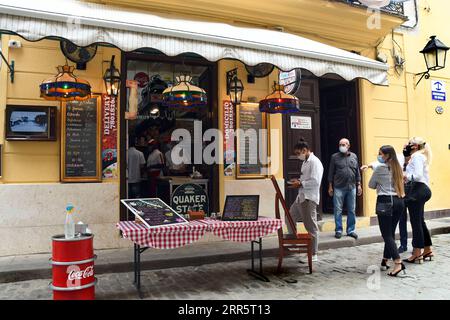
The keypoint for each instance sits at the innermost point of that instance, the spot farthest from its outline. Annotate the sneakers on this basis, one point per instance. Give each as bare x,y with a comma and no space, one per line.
402,249
338,235
353,235
314,259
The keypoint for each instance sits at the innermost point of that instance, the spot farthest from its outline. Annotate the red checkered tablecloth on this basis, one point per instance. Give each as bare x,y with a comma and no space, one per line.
243,231
164,237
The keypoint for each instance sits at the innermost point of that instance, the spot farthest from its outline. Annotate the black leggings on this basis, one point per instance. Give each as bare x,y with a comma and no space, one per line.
388,224
421,234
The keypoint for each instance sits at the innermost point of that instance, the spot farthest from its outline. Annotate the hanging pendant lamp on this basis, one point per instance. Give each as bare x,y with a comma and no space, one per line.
279,101
184,94
65,86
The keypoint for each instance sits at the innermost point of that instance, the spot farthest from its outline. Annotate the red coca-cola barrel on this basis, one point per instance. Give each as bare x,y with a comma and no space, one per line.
73,268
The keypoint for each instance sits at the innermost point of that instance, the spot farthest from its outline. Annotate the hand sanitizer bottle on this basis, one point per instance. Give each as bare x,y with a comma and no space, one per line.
69,226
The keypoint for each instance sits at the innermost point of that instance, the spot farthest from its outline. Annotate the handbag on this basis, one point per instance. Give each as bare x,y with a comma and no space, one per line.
385,208
417,191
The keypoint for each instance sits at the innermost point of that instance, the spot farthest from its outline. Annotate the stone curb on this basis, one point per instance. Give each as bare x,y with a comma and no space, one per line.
32,274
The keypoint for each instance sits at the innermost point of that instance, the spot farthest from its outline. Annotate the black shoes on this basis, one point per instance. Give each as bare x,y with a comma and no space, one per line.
384,265
353,235
418,259
402,249
338,235
394,274
428,256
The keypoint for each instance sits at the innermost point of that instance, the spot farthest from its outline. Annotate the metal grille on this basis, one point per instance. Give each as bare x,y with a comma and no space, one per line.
393,7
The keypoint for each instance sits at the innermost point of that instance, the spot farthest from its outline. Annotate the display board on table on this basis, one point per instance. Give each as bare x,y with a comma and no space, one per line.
190,197
153,212
80,140
252,144
241,207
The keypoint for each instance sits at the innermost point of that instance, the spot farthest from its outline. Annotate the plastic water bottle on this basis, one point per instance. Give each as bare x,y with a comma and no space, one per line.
69,226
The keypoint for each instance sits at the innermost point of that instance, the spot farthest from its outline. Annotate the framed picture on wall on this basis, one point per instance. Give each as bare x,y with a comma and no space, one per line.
252,147
80,140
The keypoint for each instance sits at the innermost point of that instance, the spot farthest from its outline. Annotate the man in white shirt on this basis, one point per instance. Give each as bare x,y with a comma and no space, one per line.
136,164
305,206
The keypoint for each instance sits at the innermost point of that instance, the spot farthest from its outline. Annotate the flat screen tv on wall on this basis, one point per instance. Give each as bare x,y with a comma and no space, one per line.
26,123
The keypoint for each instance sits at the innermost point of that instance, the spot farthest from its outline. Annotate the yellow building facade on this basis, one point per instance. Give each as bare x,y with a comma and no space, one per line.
33,197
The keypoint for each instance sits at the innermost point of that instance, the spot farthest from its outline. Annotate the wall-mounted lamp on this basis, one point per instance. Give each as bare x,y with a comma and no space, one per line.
10,67
112,79
235,88
435,54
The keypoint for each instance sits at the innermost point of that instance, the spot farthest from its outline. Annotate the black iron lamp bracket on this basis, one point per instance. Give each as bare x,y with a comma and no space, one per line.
425,74
10,67
230,75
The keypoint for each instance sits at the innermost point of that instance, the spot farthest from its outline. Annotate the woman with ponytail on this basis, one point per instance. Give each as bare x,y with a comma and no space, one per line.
387,179
417,194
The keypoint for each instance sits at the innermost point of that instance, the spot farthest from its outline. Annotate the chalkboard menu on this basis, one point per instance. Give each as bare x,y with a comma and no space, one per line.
153,212
250,120
241,208
80,143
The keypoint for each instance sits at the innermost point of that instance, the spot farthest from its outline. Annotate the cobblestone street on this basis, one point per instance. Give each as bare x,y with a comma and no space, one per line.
347,273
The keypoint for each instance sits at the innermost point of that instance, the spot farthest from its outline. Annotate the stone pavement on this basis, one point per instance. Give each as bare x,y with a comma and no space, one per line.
346,273
28,267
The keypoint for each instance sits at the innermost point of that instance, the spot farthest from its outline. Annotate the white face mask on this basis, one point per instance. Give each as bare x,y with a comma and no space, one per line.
343,149
302,157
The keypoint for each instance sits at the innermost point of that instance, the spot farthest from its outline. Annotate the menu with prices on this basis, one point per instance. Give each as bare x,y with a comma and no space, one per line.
81,141
153,212
241,208
248,145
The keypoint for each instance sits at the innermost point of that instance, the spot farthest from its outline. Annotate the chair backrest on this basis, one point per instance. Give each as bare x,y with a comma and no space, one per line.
280,199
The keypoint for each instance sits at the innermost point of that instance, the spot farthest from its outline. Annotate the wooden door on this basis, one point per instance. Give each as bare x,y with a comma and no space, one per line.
339,119
310,112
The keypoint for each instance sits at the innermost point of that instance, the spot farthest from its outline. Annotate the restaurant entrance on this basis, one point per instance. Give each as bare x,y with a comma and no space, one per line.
329,111
149,124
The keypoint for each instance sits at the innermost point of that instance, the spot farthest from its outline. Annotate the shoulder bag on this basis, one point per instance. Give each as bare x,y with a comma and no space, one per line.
385,208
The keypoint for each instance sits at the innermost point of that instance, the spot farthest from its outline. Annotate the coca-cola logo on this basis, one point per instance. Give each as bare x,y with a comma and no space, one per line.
77,274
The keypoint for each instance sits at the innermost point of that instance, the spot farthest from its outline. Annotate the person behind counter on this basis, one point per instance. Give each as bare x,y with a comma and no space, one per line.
136,165
174,166
155,164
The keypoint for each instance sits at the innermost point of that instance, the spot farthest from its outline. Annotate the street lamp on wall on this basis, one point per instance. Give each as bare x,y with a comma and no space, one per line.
112,79
435,54
235,88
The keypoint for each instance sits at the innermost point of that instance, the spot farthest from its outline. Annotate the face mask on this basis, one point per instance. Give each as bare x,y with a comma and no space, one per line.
407,151
302,157
381,160
343,149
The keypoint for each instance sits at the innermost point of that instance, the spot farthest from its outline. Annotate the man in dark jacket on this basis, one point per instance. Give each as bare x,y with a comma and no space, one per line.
344,183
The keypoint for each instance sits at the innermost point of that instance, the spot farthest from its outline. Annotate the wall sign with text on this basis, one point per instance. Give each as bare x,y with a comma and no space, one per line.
109,137
229,153
80,140
300,122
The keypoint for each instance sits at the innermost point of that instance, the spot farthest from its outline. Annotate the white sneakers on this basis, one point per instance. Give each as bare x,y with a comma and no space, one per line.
314,259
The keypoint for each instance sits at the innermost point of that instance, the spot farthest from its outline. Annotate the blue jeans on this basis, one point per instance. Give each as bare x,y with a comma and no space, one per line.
341,197
403,228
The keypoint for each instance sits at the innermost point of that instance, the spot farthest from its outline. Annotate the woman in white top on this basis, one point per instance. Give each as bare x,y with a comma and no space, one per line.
417,193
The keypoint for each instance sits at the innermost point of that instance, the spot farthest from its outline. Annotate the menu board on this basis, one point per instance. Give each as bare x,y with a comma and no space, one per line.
250,121
80,143
241,208
153,212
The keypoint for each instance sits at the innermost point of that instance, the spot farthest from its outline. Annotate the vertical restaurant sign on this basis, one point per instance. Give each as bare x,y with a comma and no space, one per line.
109,136
228,137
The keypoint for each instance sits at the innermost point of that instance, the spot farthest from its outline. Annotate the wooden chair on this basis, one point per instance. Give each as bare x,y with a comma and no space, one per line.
297,242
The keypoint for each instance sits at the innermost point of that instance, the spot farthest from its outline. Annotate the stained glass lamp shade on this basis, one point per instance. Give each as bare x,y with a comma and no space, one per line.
279,102
184,94
65,86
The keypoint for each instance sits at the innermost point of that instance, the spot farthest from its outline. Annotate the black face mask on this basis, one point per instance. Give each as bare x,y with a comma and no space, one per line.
407,151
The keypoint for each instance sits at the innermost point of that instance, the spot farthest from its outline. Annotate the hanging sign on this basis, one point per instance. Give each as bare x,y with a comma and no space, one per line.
299,122
438,91
228,137
190,196
290,80
109,137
